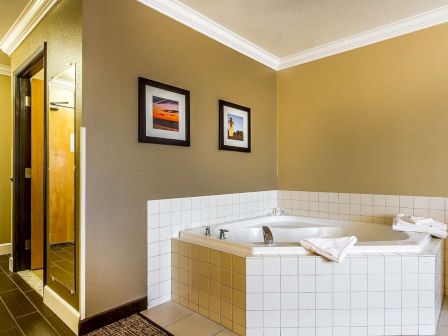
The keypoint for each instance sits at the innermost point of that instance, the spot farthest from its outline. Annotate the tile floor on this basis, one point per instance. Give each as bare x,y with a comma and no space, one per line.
22,311
181,321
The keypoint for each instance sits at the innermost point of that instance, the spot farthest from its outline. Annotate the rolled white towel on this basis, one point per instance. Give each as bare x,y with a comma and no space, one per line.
334,249
419,221
433,231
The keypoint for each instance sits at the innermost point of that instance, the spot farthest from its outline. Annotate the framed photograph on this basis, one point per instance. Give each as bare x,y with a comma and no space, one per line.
164,113
234,127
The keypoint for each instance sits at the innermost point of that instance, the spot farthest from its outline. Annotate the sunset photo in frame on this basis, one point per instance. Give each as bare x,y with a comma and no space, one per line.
234,127
164,113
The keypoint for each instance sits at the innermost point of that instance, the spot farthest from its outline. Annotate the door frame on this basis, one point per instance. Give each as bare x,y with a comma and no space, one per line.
30,67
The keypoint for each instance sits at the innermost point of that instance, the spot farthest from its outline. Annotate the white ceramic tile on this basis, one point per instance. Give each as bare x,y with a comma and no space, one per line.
359,265
324,283
376,282
341,282
307,301
153,207
426,282
254,284
409,299
289,301
289,283
342,267
436,203
254,266
427,264
409,264
358,300
289,266
153,221
358,283
271,283
341,317
392,300
307,283
271,265
392,264
186,203
375,317
307,265
254,301
254,319
323,266
271,301
409,316
426,299
324,301
289,319
375,264
341,300
307,318
375,300
406,202
392,201
324,318
409,281
426,316
392,282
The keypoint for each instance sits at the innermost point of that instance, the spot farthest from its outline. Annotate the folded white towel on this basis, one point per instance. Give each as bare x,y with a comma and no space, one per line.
407,223
433,231
419,221
334,249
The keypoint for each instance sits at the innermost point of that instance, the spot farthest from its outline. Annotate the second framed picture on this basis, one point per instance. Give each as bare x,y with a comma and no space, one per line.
234,127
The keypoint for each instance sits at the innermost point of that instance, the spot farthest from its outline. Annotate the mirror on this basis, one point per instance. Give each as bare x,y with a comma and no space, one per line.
61,250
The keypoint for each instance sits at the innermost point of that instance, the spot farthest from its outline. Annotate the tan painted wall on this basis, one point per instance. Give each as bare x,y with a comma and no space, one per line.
62,30
372,120
121,41
5,158
4,59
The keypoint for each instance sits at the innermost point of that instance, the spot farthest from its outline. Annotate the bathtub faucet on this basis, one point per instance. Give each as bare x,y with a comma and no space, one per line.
278,211
222,233
267,235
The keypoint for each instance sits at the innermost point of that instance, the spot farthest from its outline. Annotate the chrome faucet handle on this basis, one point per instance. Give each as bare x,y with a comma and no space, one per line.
278,211
222,233
207,231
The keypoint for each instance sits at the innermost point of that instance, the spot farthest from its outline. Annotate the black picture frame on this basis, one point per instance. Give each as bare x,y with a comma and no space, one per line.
143,83
222,123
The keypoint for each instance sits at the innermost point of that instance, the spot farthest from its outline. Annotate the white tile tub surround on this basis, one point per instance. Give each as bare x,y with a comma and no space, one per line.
384,294
167,217
363,207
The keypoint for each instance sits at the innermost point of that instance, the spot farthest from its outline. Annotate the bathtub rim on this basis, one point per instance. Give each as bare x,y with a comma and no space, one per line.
415,244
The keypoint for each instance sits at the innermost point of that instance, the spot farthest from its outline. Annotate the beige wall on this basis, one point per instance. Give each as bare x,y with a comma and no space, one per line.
4,59
62,30
121,41
5,158
372,120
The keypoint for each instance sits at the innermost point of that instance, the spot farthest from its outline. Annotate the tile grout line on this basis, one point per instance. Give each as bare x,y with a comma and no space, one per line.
13,318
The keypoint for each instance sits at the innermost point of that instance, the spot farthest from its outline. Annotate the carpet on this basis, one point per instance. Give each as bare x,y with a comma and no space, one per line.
134,325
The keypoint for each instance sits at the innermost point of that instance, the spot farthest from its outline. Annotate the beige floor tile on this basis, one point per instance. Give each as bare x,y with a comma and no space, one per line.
167,313
194,325
226,333
442,331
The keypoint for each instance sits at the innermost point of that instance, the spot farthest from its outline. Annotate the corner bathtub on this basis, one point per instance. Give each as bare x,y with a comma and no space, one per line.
245,237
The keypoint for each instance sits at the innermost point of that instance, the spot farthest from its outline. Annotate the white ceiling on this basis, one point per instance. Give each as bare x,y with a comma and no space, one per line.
9,12
287,27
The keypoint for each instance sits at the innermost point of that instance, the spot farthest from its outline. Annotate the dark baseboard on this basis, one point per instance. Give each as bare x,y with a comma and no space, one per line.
112,315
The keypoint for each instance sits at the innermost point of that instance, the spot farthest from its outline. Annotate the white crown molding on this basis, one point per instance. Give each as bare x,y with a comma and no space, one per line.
33,13
5,70
210,28
395,29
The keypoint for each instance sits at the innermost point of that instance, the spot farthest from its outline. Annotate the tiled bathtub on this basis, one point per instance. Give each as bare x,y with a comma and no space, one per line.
382,294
